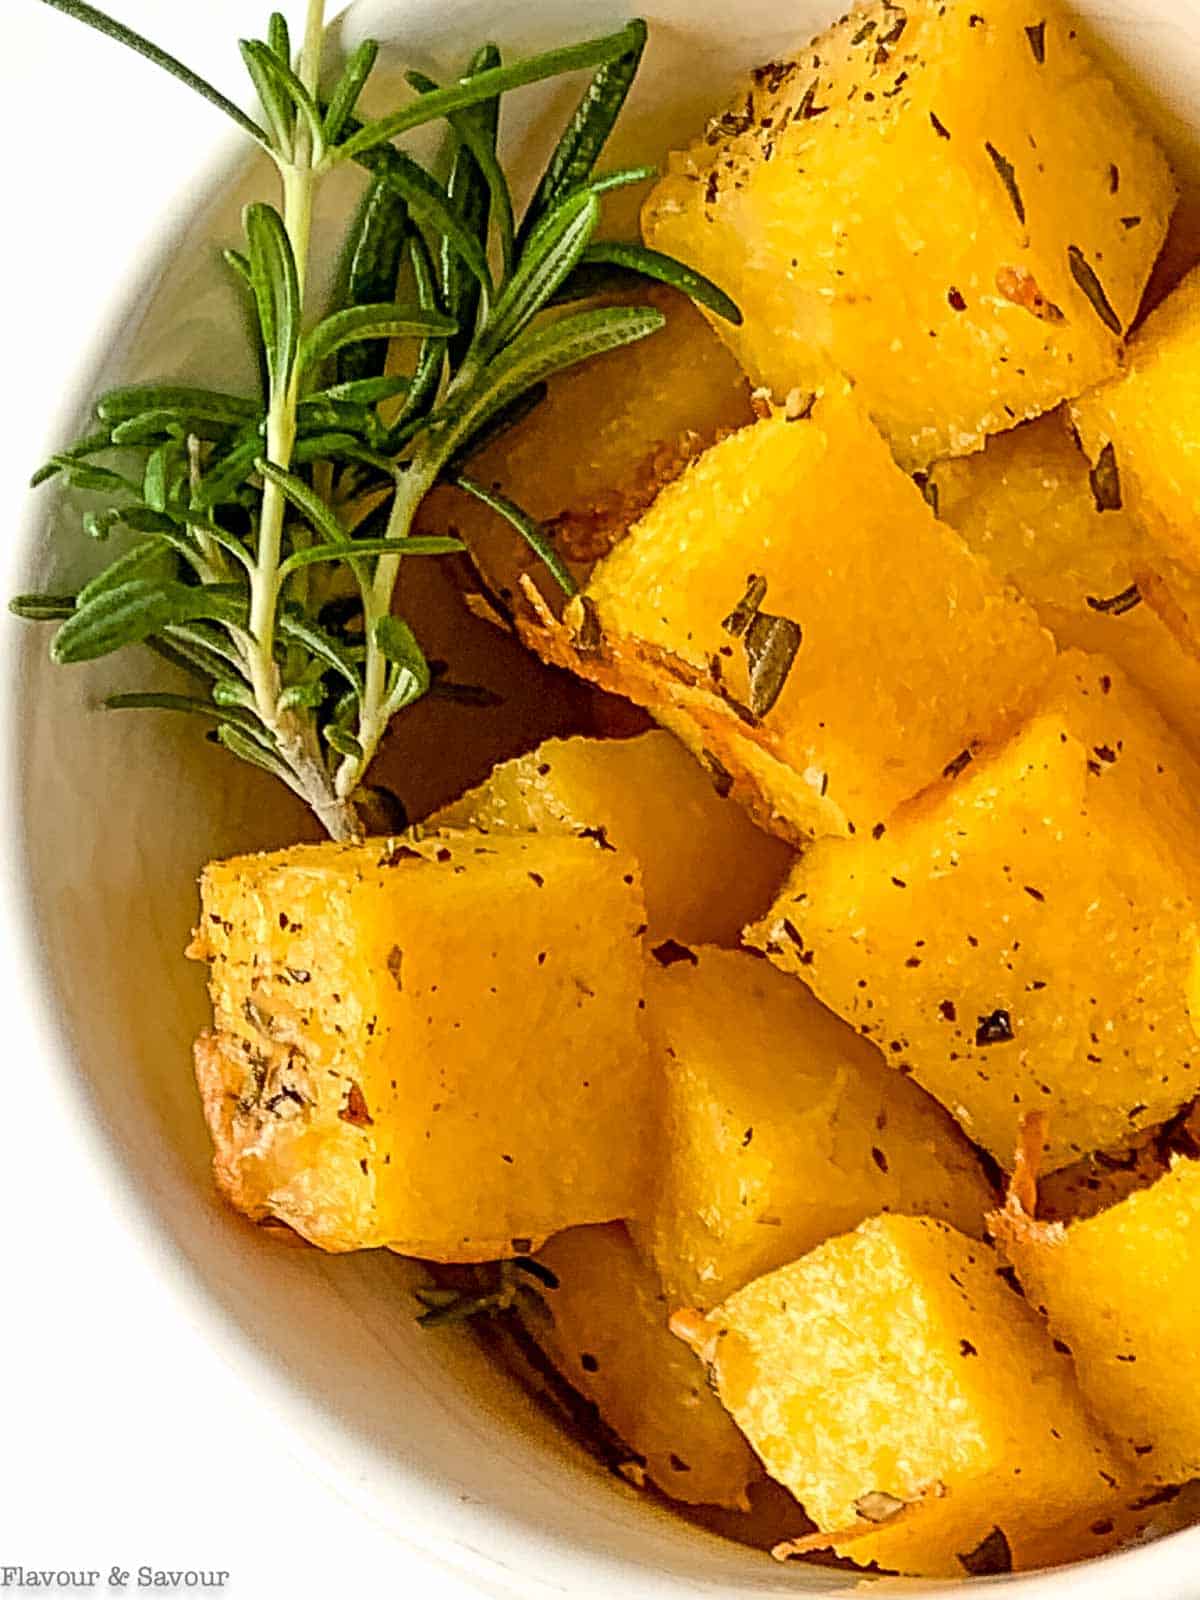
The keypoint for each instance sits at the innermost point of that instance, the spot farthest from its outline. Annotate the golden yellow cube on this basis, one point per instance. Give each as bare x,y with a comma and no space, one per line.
1149,418
605,1329
956,209
792,608
783,1127
706,869
913,1403
1024,938
1031,505
433,1045
590,459
1122,1290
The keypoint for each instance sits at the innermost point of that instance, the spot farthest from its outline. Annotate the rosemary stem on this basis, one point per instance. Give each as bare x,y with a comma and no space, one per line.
295,736
374,713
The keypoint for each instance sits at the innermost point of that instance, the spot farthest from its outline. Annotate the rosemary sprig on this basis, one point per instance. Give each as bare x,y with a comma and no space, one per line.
262,538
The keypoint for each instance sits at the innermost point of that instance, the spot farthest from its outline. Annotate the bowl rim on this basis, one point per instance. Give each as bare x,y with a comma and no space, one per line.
478,1543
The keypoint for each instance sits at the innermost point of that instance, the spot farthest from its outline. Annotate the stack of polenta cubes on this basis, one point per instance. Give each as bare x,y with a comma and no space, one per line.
727,1033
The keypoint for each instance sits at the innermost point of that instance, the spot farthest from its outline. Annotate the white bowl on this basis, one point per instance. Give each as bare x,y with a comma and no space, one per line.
418,1429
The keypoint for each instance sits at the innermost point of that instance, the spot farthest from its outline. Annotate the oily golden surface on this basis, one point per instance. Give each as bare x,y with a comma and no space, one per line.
1024,938
591,457
1122,1289
831,200
783,1128
1151,416
606,1331
894,1361
432,1045
706,869
1027,505
894,674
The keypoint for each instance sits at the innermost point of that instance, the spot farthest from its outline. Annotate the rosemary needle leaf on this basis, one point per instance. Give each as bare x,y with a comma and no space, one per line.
279,110
226,475
547,260
100,480
306,501
135,41
349,86
322,644
536,355
431,362
42,607
135,563
430,204
398,644
252,751
191,704
648,263
431,545
276,286
238,263
195,405
622,178
371,259
587,133
279,38
367,391
342,447
487,86
532,533
129,614
92,445
286,91
476,130
370,322
344,743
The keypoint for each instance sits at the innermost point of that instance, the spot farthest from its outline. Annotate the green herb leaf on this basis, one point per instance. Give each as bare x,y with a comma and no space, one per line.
290,88
135,563
398,645
279,38
227,473
307,502
319,642
195,405
42,607
274,100
344,743
538,354
143,47
489,85
129,614
248,749
92,445
587,133
546,262
429,203
276,289
532,533
431,362
373,255
349,86
661,268
367,391
191,705
370,322
419,545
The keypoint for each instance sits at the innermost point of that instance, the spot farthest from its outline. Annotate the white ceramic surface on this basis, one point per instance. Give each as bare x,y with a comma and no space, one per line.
423,1434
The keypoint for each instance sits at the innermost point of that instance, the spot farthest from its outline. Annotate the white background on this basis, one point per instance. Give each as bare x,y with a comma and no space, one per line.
123,1439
